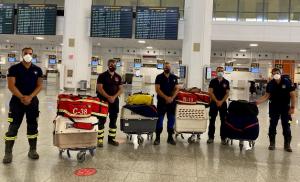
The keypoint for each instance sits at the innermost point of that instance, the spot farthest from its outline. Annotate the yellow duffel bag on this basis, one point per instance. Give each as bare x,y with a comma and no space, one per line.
140,99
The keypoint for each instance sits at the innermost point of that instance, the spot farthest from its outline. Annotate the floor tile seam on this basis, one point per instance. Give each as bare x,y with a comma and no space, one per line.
165,174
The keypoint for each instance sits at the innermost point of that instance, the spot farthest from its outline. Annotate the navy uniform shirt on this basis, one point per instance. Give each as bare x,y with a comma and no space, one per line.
167,84
110,83
26,79
219,87
280,93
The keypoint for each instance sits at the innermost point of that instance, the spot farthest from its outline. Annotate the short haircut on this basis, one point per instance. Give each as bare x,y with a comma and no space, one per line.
276,70
166,63
26,48
111,61
220,67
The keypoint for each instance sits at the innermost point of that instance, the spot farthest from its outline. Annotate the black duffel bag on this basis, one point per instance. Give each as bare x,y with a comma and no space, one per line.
242,108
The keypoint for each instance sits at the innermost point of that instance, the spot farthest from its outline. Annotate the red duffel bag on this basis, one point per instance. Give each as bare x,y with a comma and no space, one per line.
184,97
74,106
203,97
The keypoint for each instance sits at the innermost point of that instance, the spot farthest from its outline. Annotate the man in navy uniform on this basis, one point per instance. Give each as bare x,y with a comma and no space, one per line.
109,88
219,92
282,99
166,87
25,82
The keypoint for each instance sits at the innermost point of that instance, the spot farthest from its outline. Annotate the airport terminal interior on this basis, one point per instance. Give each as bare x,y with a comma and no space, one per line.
72,41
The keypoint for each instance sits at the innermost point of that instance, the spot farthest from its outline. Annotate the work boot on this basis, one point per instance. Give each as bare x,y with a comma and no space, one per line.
8,151
112,141
32,154
272,143
100,143
170,137
210,140
287,144
157,139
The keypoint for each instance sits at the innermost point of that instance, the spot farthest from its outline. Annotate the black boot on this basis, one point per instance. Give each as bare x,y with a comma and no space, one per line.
157,139
287,144
170,136
112,137
112,141
32,154
8,151
272,142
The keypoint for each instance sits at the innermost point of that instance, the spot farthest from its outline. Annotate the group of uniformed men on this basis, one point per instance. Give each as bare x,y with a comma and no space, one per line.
25,82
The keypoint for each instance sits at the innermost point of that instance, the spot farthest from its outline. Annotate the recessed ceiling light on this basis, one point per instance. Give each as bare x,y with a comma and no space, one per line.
14,51
238,64
61,44
39,38
7,40
141,41
253,45
243,50
99,44
149,47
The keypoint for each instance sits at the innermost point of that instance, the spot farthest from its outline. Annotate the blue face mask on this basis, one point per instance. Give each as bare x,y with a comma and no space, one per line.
220,74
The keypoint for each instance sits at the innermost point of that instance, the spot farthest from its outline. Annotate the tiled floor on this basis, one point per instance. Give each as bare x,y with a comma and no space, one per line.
183,162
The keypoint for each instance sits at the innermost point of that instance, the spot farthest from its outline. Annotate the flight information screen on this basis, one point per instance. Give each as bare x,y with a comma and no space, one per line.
36,19
156,23
7,18
111,21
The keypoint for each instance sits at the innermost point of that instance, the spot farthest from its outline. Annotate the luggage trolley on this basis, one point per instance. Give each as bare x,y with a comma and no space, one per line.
67,138
132,123
191,119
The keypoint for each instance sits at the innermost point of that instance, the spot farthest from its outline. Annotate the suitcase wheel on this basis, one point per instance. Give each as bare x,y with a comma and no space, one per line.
81,156
251,144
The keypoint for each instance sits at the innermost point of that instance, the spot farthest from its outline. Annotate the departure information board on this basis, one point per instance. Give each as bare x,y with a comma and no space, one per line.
156,23
36,19
111,21
7,18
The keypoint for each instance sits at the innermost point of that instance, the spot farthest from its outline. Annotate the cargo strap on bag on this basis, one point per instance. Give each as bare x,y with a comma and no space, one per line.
81,125
241,130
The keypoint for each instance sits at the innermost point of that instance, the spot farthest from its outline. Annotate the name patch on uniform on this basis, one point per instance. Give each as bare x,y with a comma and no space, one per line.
283,86
224,85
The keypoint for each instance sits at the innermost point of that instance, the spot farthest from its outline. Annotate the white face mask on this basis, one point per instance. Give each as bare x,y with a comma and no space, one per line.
277,76
27,58
220,74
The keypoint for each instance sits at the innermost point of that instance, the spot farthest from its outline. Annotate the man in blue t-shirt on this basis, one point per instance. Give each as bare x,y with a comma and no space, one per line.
282,99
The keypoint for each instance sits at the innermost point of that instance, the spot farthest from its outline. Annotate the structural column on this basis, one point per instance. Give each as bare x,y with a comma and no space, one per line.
77,45
197,40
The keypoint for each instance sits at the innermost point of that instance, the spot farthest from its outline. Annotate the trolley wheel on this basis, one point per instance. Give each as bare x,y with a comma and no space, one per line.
198,136
92,152
151,136
176,135
251,143
190,140
127,137
61,151
182,137
68,153
81,156
140,140
130,137
241,146
231,142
